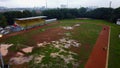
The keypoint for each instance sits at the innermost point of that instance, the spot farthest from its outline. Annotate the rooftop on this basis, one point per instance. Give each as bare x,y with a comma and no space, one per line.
29,18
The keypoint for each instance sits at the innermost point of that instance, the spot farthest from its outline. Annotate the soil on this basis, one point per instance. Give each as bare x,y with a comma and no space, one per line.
75,49
98,56
49,35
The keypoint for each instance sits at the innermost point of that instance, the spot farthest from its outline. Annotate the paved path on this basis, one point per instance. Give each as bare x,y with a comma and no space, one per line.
98,56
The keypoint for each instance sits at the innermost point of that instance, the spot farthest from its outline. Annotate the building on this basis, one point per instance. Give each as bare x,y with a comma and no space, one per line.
118,22
30,21
63,6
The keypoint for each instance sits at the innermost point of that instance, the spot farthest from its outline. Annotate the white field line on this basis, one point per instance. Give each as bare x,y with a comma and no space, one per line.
107,58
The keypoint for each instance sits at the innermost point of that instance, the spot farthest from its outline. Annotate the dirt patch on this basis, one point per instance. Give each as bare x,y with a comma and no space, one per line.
75,49
49,35
97,58
87,47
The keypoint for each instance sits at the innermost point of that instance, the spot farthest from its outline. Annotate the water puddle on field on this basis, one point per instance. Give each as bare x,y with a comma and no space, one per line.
76,25
20,59
27,50
39,58
70,27
4,49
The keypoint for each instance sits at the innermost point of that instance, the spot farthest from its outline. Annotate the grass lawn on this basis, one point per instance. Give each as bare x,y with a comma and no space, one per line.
86,34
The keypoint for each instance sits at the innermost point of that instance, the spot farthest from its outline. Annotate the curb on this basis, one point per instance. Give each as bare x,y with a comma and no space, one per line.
107,58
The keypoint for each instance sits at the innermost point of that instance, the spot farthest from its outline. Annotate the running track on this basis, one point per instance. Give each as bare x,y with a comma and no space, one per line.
98,56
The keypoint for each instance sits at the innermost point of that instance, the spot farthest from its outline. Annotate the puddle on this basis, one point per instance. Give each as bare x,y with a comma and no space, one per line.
40,45
60,44
20,60
76,25
69,42
27,50
54,55
68,28
4,49
39,58
64,42
19,54
66,58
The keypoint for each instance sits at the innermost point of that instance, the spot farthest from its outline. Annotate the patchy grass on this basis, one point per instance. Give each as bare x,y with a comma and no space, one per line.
114,52
51,62
86,34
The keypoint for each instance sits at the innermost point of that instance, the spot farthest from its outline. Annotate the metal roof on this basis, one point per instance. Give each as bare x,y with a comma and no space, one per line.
29,18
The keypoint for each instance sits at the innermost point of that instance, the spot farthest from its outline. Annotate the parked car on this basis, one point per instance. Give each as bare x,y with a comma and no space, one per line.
1,28
2,31
6,32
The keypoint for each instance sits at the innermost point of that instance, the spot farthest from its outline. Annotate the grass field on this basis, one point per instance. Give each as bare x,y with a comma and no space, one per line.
86,34
114,53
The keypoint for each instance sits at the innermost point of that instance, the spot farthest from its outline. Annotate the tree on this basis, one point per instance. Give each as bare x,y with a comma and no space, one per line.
115,15
61,13
11,15
82,12
101,13
27,13
2,21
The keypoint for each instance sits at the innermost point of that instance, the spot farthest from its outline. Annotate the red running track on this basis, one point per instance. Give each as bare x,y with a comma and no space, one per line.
98,56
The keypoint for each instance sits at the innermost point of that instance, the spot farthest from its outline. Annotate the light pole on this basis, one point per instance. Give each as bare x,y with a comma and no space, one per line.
46,4
2,62
67,3
110,4
1,59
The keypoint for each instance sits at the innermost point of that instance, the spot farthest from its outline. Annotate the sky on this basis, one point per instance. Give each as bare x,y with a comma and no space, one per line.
57,3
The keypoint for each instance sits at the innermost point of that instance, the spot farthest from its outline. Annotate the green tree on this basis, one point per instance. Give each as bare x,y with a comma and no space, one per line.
115,15
2,21
101,13
11,15
82,12
27,13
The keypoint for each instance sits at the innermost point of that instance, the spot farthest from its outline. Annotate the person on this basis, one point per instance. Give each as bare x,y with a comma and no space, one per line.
104,28
105,48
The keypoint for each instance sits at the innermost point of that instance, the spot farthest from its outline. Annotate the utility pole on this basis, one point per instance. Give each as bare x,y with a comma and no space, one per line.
110,4
67,3
1,58
2,62
46,4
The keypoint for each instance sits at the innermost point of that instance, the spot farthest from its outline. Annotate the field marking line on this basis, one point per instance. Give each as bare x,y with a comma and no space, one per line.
107,57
